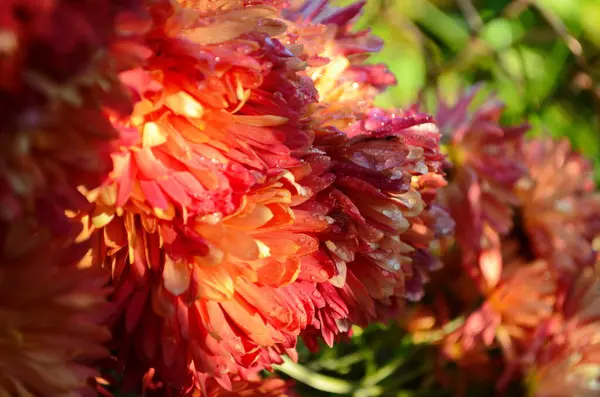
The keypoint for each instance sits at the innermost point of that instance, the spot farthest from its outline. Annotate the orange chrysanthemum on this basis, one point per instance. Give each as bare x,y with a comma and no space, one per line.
237,217
486,162
58,68
560,212
214,270
51,315
525,296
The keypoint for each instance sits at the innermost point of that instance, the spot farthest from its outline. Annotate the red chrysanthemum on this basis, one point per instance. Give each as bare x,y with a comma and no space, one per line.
380,225
486,162
58,68
51,314
375,175
561,210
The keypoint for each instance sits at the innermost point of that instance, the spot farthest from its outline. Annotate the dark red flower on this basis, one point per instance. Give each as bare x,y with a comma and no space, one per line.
58,83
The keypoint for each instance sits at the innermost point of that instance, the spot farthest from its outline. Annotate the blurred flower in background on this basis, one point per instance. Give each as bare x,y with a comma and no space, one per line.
59,85
541,57
52,313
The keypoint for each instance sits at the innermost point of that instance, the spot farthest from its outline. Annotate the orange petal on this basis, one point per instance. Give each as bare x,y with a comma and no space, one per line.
214,283
278,273
231,241
249,321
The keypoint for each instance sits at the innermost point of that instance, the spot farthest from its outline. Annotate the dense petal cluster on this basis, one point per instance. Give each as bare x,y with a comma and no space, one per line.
380,169
196,217
237,217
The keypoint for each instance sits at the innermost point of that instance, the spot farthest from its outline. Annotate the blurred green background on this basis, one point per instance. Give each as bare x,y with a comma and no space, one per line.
541,57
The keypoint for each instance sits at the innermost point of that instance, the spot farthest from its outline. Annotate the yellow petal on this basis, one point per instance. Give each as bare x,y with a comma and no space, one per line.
261,121
176,276
153,135
183,104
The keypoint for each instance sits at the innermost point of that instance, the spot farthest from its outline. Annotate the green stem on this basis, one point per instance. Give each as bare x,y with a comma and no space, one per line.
409,376
324,383
335,364
387,369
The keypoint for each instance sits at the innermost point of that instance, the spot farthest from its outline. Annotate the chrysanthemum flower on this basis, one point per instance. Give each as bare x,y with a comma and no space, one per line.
232,204
215,273
569,363
560,212
485,165
524,297
381,169
377,237
336,56
51,315
58,65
